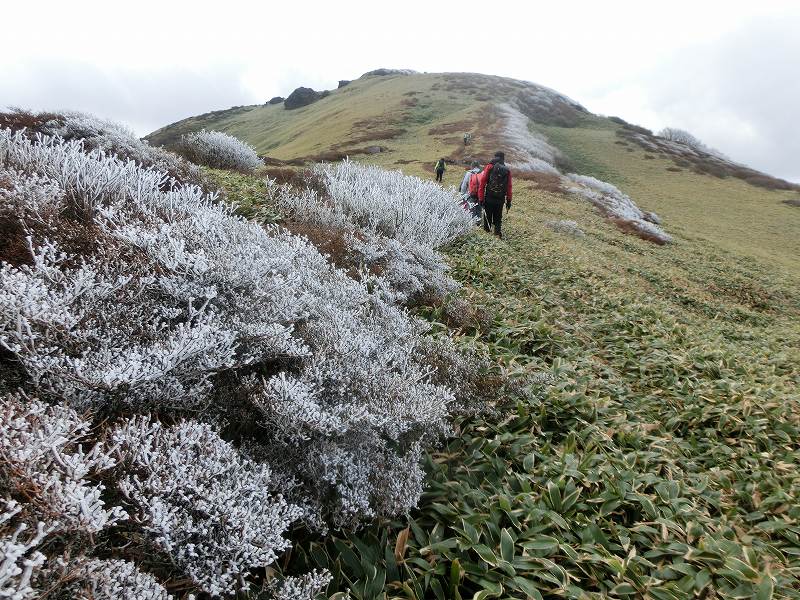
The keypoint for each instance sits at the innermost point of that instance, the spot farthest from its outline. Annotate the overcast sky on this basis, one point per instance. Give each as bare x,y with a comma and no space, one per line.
727,71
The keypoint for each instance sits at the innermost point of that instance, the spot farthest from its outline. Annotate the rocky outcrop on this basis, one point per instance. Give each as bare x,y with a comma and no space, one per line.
276,100
302,96
385,72
343,82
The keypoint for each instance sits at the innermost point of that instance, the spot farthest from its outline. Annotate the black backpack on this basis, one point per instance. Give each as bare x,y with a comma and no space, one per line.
497,185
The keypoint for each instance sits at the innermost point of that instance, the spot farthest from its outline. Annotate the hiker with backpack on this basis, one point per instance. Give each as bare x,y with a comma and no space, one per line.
494,191
469,191
439,168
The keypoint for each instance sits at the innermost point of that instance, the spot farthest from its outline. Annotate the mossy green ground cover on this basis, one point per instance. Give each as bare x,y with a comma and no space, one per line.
654,453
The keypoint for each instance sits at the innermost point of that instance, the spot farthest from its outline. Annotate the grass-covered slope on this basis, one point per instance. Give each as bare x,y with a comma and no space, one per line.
412,117
660,459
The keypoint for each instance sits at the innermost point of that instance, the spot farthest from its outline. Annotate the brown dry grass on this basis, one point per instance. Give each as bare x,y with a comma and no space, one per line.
629,226
449,128
17,119
548,182
328,240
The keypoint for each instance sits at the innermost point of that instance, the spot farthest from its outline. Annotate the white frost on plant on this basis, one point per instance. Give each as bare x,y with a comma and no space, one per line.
116,580
305,587
396,222
532,152
40,446
614,203
219,150
204,504
397,206
20,559
168,302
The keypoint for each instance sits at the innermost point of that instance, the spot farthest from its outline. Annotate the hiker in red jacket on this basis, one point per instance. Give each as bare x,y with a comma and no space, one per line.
494,190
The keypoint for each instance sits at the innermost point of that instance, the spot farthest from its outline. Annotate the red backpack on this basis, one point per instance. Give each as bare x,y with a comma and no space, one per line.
474,184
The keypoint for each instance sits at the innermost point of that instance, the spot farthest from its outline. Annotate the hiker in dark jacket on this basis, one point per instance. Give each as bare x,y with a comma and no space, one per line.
439,169
494,190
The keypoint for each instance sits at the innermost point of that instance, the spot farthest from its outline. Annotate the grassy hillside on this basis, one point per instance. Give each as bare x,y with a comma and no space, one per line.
656,453
415,118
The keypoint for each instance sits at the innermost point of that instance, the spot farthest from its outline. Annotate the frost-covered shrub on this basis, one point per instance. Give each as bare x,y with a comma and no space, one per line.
203,503
673,134
219,150
100,134
394,205
115,580
531,151
305,587
174,305
568,227
398,222
41,450
45,458
617,205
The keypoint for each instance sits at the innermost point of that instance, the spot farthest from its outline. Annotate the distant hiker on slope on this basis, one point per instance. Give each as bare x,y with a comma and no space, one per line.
439,168
470,186
494,190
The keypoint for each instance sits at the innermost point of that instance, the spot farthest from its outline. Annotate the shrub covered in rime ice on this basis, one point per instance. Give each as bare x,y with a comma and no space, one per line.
673,134
399,222
613,203
210,510
44,457
108,136
219,150
567,227
532,152
130,294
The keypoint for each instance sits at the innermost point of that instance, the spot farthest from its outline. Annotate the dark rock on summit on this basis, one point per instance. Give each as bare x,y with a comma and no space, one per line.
324,93
342,83
385,72
276,100
302,96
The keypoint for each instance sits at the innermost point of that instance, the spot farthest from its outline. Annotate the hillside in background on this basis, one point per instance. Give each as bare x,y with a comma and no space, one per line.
407,120
227,379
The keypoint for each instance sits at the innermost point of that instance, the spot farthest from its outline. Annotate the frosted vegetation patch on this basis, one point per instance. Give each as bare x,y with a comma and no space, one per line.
566,227
219,150
616,205
394,224
110,137
271,388
532,152
681,136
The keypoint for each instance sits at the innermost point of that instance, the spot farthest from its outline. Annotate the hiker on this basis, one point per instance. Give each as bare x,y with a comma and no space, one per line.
439,168
469,191
467,138
494,190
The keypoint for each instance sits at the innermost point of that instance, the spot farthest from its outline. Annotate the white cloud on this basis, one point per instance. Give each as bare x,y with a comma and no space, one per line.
152,62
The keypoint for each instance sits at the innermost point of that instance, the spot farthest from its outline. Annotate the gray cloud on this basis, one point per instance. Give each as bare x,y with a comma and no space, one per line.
740,94
143,99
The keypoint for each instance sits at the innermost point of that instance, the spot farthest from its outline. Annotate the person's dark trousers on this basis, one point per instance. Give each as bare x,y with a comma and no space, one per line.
439,175
476,210
493,214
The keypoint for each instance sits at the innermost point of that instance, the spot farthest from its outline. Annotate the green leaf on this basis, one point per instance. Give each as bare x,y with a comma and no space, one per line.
541,543
527,587
554,495
765,589
506,545
486,554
